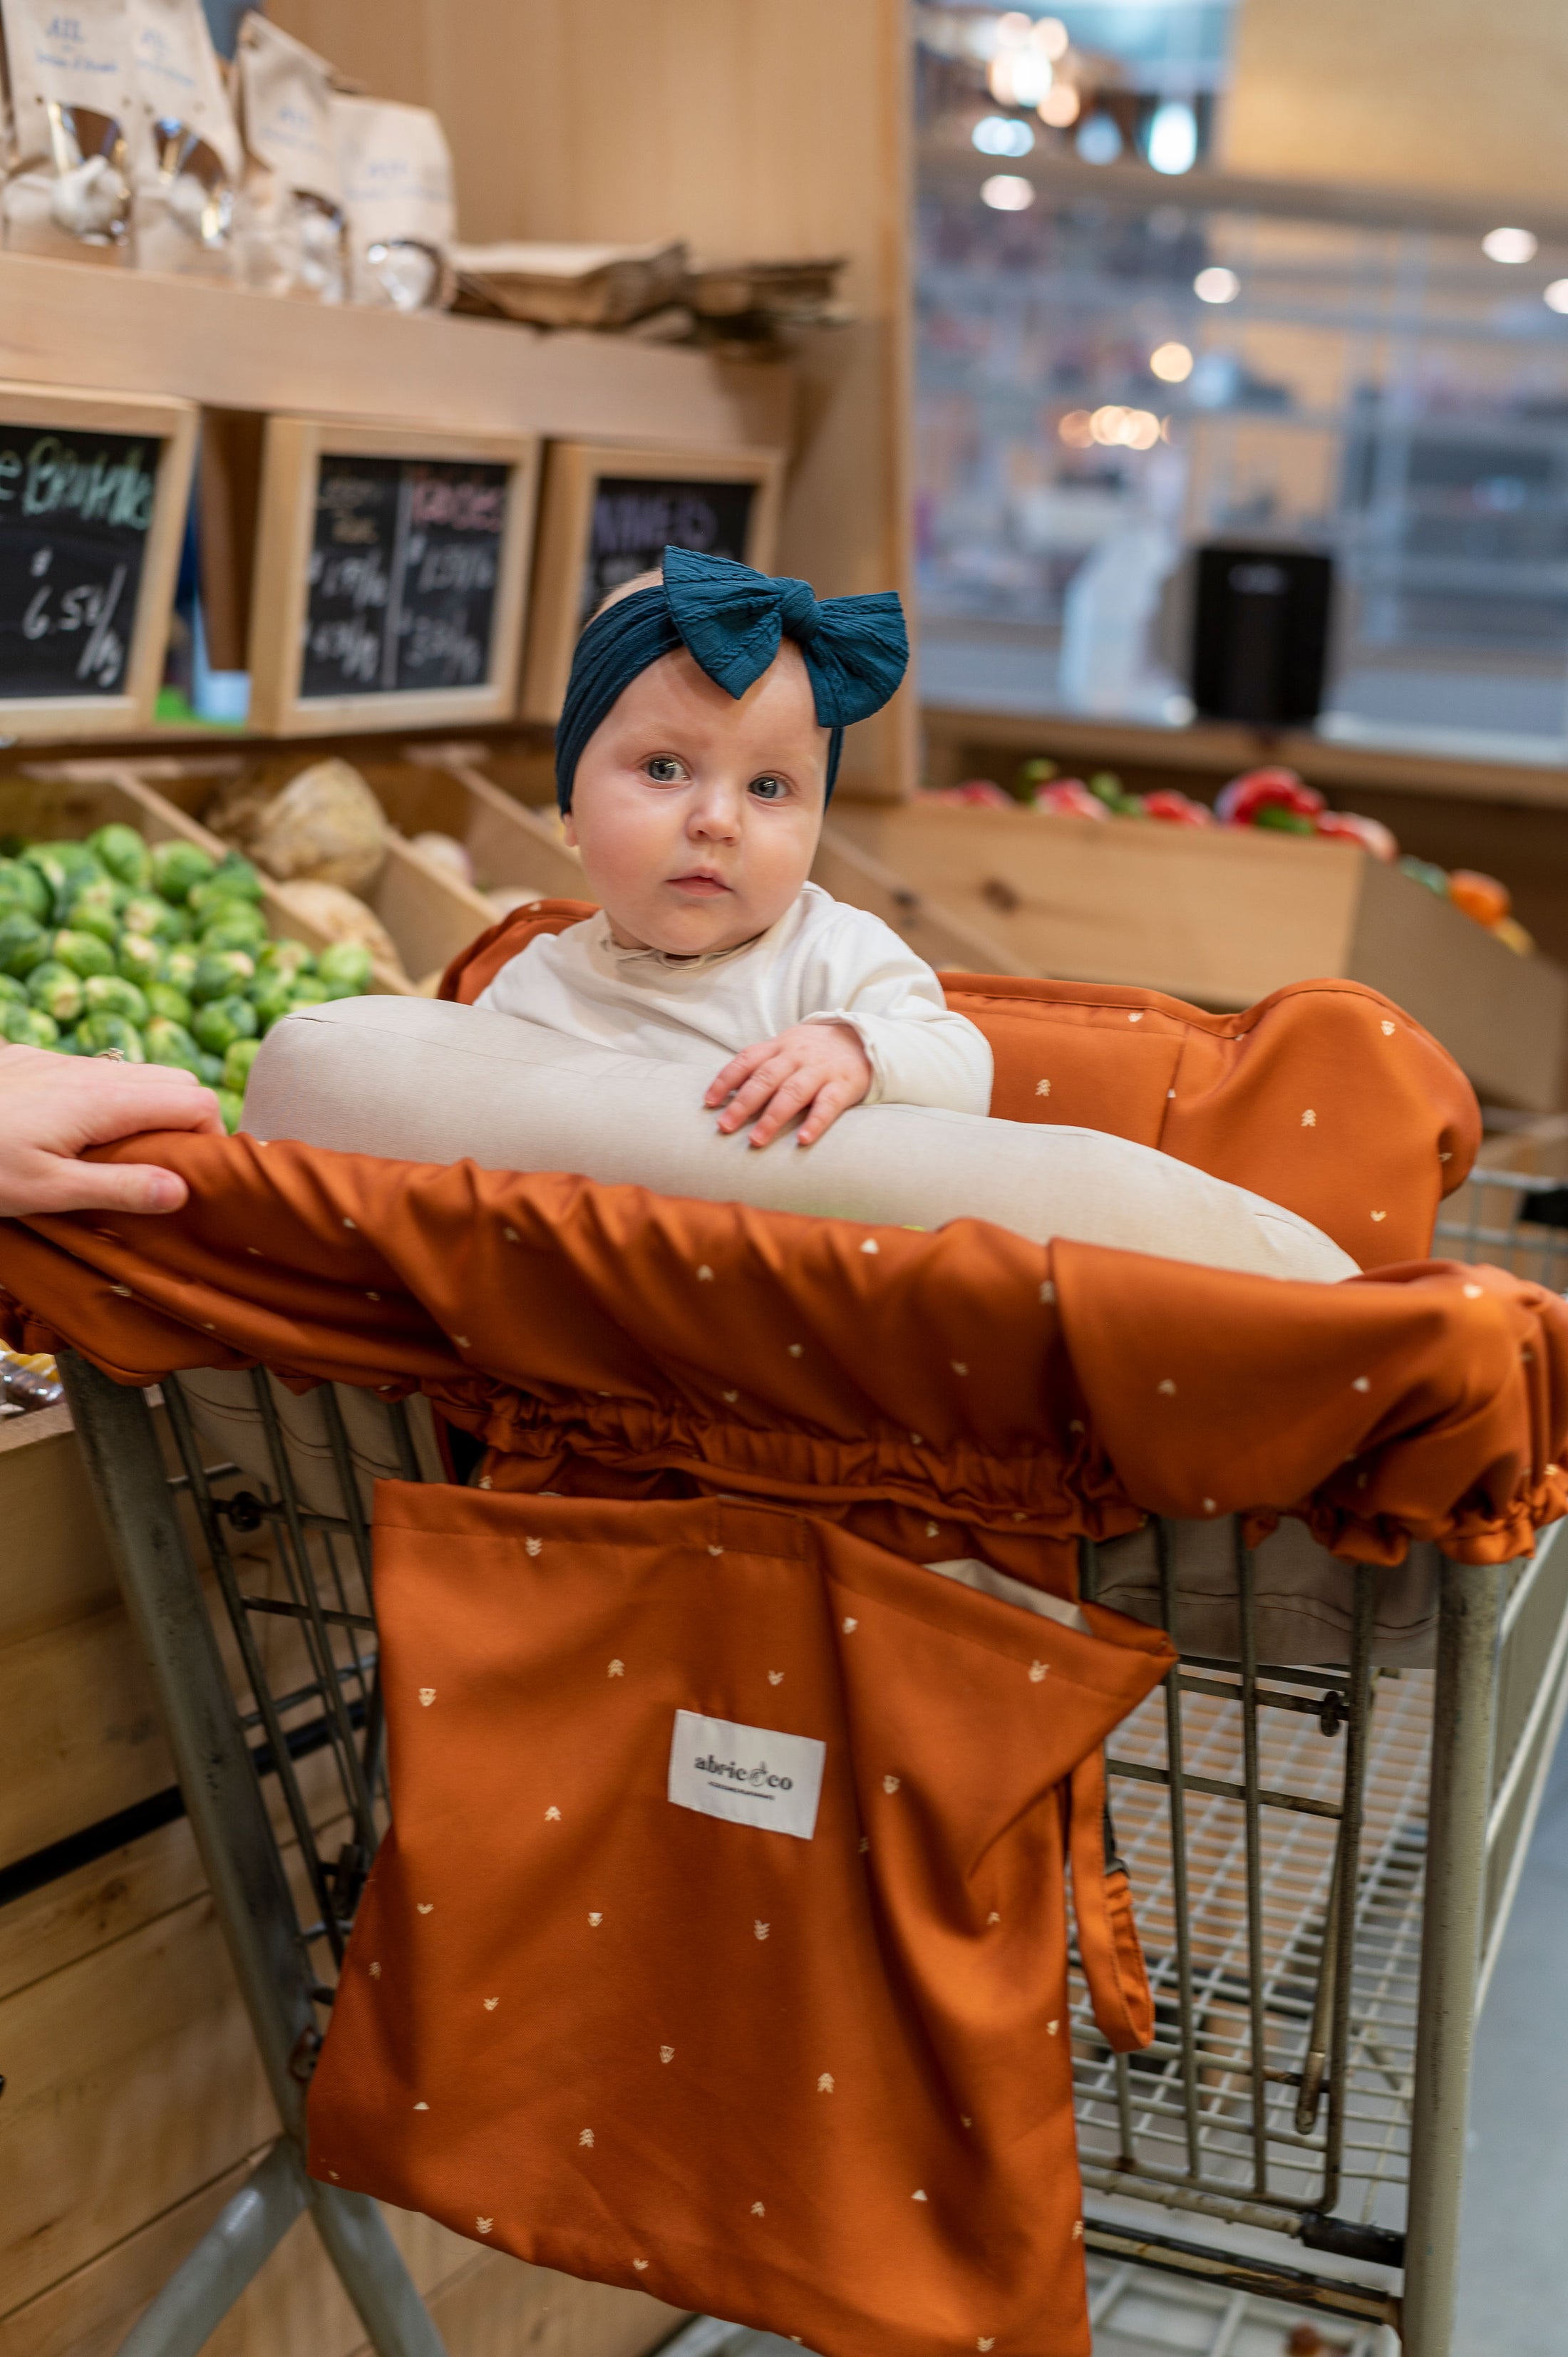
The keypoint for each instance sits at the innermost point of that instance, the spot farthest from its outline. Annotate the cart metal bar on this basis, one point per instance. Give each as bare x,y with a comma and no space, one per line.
244,2234
1260,2278
1166,1553
1246,1575
1219,1789
1342,1930
1469,1622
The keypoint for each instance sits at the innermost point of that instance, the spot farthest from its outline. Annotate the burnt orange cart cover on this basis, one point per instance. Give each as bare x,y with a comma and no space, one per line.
721,1444
806,2066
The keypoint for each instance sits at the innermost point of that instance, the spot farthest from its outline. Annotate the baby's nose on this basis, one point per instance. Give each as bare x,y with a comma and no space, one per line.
717,813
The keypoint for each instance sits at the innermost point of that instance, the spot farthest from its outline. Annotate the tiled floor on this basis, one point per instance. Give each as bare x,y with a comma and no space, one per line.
1514,2255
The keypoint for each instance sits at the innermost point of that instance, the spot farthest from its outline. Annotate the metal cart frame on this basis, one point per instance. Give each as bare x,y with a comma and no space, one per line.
1322,1891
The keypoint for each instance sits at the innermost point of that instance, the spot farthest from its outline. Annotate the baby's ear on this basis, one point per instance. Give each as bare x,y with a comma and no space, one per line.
569,827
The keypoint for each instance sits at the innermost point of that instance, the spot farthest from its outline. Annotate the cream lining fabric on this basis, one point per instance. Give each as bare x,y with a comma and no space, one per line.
429,1082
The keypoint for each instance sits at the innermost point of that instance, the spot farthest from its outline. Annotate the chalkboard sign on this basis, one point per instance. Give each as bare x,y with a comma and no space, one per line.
93,494
389,576
635,522
609,512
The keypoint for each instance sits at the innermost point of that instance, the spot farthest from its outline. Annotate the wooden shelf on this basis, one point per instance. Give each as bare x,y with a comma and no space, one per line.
126,331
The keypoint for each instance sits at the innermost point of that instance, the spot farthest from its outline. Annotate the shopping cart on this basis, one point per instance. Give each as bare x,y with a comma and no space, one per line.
1322,1891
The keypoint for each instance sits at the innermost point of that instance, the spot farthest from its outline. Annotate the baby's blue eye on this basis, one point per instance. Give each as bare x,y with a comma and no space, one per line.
665,770
768,790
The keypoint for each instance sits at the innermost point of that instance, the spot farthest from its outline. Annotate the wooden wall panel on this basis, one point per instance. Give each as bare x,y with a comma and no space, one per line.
776,127
1429,93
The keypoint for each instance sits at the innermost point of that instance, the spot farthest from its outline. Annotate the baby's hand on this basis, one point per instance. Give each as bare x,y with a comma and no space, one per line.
821,1066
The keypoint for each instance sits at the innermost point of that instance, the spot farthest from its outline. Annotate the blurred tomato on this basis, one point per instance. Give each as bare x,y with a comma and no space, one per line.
1070,798
1348,827
1254,791
1175,808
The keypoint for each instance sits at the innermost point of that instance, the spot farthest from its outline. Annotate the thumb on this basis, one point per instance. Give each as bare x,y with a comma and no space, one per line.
138,1186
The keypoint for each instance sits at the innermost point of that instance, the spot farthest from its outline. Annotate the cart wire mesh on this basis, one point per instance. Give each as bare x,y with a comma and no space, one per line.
1278,1880
298,1591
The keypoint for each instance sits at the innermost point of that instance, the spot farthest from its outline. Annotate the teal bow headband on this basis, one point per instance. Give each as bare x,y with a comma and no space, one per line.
732,621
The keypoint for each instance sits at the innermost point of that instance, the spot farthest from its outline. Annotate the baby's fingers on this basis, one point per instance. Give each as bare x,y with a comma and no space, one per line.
752,1095
834,1098
798,1090
738,1069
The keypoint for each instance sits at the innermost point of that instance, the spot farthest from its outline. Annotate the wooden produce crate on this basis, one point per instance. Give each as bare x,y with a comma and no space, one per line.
514,844
1222,917
428,913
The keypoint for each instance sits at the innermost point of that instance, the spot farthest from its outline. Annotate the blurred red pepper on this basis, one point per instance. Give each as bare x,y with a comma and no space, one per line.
1270,789
1176,808
975,794
1348,827
1070,798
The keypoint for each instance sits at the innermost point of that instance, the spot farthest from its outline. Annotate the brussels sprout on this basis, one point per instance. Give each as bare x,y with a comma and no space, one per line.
28,1027
178,867
145,913
210,1068
84,953
171,1043
179,967
12,993
65,867
232,1109
221,1021
23,944
345,968
122,852
56,990
219,972
285,958
272,1001
237,1065
234,879
310,991
110,993
164,999
21,887
93,911
237,927
139,958
97,1033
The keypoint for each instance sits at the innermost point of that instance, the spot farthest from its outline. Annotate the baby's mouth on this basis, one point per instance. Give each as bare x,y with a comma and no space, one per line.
700,885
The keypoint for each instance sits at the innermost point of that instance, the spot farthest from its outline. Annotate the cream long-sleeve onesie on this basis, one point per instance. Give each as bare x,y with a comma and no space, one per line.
822,963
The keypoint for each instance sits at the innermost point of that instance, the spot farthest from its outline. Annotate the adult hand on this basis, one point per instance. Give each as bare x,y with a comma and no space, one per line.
52,1107
820,1067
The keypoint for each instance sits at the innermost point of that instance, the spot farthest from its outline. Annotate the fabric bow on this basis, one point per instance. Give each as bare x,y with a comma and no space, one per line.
732,621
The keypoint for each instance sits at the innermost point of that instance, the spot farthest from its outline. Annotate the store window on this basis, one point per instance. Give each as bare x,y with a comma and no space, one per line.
1124,353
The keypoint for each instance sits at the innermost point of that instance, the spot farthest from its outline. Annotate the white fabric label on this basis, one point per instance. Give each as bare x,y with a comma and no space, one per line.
752,1775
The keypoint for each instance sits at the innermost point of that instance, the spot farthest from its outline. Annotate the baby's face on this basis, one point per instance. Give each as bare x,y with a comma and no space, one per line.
697,815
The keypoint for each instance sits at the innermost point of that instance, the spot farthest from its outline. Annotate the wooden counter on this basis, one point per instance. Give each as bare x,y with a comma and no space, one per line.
1508,819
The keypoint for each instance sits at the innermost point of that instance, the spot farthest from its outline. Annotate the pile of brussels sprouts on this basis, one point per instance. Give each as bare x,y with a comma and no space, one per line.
156,949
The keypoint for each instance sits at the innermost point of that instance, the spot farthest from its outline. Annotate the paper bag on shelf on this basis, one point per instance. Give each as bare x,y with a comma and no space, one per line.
396,173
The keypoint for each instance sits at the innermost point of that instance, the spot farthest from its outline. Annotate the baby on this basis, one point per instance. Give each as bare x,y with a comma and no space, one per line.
696,752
